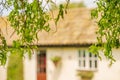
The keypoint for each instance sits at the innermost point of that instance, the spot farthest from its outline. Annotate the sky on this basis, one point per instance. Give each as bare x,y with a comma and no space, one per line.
88,3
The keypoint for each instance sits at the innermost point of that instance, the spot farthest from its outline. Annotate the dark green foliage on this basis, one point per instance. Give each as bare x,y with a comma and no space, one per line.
15,67
108,19
3,52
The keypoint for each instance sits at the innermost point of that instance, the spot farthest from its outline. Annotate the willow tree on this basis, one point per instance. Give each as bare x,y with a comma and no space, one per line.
27,18
107,15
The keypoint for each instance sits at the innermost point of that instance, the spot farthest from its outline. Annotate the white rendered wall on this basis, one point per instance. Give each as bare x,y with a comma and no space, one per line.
109,73
68,68
3,73
30,68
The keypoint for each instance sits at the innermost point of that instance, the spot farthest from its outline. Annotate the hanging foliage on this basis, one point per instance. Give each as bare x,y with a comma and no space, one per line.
28,18
107,15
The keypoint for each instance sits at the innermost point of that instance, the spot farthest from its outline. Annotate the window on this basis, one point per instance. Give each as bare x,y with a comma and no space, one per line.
41,61
87,60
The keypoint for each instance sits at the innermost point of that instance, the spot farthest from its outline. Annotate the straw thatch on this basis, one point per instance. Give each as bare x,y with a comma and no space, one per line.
76,28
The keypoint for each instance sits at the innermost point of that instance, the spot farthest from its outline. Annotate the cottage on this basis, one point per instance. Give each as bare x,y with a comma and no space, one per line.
64,51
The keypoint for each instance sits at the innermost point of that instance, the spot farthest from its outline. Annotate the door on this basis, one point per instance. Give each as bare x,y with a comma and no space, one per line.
41,65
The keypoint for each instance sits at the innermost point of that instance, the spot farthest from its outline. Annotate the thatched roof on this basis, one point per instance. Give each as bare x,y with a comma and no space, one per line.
76,28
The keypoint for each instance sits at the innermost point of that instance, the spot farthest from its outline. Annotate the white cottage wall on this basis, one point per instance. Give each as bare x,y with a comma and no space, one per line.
30,68
3,73
68,67
66,70
105,72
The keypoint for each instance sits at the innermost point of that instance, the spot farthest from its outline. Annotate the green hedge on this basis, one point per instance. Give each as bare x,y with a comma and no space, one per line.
15,67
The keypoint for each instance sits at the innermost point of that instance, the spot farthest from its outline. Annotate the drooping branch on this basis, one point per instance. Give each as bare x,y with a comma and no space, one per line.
107,14
27,19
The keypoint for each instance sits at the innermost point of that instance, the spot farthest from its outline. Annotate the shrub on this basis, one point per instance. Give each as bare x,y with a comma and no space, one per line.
56,59
15,67
86,74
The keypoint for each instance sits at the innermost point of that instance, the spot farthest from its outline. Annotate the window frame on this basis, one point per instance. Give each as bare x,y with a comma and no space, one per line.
84,60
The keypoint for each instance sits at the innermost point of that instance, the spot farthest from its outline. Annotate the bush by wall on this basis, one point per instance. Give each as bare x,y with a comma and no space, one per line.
15,67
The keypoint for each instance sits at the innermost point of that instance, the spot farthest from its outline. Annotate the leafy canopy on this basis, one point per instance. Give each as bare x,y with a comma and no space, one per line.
27,19
107,15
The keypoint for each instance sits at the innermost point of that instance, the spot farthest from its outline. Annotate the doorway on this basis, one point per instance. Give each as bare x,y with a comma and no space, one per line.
41,65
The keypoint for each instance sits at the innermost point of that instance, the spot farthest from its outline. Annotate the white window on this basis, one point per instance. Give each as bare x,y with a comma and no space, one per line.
87,60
